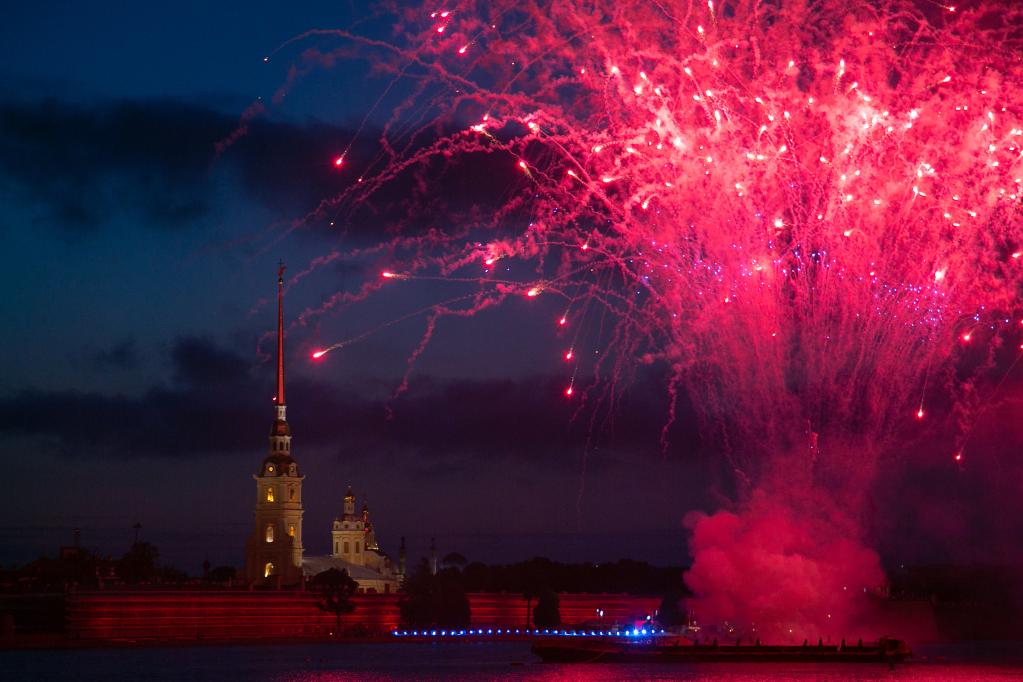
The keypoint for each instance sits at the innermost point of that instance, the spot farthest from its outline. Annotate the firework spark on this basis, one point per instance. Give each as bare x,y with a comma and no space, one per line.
809,214
799,211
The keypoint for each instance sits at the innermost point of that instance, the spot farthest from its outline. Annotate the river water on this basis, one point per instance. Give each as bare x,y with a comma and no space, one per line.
464,661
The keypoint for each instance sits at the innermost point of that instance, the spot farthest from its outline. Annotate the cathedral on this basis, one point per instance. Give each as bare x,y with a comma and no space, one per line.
274,551
354,549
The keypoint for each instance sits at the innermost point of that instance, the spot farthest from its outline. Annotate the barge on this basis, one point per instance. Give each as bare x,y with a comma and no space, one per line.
679,649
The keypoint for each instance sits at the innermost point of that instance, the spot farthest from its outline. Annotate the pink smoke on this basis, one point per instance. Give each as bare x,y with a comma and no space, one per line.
782,569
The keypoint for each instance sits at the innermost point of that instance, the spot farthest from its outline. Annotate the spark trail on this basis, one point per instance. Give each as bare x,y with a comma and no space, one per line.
808,212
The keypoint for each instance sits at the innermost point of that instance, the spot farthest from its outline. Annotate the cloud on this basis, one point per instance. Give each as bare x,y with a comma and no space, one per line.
219,403
120,356
78,166
200,363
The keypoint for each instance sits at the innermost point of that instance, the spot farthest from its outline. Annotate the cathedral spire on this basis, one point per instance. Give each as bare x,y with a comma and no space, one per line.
274,549
280,339
280,434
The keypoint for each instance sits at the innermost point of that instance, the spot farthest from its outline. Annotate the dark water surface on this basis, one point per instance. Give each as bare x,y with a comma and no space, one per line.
463,661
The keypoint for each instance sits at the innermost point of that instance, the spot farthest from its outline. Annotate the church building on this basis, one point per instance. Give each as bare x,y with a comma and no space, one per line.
354,549
274,551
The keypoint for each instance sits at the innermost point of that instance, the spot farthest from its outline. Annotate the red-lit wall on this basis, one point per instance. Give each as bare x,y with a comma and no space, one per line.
221,615
242,615
491,608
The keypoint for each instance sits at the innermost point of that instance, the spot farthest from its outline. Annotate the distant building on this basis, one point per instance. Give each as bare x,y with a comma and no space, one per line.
354,549
273,551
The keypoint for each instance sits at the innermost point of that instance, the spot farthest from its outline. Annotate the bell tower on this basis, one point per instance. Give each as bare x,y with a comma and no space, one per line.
348,534
274,549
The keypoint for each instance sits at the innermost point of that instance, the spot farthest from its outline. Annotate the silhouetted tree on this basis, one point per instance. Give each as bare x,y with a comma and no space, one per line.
670,614
453,608
434,600
414,603
223,574
171,575
632,577
139,564
336,589
79,568
476,577
546,614
527,595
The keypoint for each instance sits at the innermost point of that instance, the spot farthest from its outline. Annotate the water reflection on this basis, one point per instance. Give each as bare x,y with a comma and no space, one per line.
439,661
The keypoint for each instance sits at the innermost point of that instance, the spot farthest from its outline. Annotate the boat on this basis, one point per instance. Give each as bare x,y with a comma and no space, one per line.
680,649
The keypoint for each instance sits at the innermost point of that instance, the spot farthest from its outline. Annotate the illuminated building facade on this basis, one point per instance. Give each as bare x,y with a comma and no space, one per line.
354,549
274,549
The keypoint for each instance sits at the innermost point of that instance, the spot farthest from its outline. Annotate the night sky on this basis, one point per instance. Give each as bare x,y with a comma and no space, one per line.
137,376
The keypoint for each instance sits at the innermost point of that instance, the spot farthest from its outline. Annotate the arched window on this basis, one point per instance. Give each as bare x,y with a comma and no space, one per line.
291,530
335,547
268,570
269,533
346,547
269,494
356,546
291,493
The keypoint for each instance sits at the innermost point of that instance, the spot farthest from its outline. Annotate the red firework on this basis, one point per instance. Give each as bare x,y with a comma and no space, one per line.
803,212
807,212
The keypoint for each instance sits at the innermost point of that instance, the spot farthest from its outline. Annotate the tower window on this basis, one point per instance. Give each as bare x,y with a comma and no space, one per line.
346,547
356,546
291,530
270,533
268,570
269,494
291,493
335,547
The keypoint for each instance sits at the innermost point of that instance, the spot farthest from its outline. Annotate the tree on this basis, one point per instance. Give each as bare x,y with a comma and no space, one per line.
453,604
79,568
527,595
547,613
434,600
336,589
139,564
670,614
223,574
534,577
476,577
171,575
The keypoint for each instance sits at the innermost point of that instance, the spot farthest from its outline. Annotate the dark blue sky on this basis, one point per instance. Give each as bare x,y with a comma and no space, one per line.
138,267
137,264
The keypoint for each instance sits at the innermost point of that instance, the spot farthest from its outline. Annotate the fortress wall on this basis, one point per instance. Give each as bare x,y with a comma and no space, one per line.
222,615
